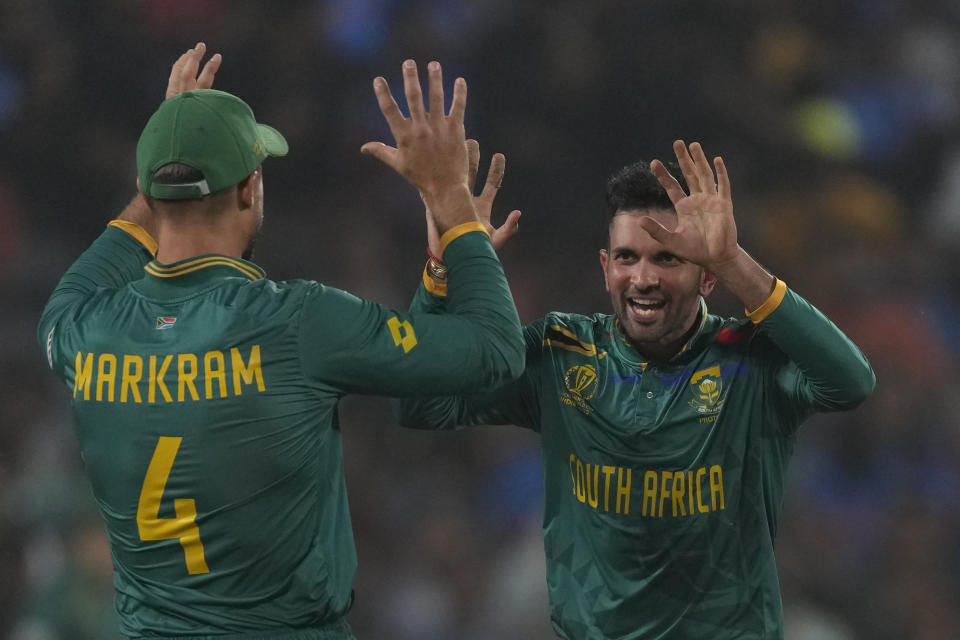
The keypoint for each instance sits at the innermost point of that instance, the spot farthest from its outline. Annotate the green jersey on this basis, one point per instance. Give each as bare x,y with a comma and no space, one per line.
205,398
664,480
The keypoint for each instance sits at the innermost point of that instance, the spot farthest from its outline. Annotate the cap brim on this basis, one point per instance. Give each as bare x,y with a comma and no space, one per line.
273,141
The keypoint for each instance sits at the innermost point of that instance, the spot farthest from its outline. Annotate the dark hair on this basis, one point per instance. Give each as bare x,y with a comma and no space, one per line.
634,187
177,173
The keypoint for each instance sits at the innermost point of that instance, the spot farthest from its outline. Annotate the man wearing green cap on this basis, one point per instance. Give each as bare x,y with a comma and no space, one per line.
205,395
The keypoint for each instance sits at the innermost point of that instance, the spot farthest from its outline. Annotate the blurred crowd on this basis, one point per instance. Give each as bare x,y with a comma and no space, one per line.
839,123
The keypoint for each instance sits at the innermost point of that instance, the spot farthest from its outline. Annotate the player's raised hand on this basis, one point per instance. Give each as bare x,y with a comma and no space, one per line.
183,75
430,152
483,203
706,233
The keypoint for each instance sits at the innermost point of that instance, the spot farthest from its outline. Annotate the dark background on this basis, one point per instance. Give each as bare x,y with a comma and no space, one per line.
838,122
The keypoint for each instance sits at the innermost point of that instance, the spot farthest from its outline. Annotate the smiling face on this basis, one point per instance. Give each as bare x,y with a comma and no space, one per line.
655,295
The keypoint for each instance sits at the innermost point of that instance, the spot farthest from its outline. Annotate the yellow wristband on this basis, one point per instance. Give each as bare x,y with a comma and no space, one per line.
759,314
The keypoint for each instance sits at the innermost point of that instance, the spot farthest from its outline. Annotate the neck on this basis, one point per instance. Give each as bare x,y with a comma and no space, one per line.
178,240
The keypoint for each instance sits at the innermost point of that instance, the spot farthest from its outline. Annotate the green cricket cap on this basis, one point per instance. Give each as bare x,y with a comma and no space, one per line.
211,131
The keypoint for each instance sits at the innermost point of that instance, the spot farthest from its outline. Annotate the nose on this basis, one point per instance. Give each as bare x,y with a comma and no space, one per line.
644,276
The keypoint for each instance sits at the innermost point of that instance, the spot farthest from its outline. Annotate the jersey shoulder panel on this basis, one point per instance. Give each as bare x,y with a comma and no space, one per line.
576,333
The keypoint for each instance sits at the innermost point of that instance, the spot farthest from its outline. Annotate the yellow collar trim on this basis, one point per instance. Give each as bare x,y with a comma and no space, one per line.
183,268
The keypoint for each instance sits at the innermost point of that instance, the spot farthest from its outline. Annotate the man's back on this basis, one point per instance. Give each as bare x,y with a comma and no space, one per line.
206,405
200,431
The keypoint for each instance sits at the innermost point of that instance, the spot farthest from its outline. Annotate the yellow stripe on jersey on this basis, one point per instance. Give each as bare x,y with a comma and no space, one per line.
452,234
139,234
565,339
190,266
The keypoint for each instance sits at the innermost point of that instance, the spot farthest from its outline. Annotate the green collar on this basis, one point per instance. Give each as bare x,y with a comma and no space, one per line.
625,350
198,272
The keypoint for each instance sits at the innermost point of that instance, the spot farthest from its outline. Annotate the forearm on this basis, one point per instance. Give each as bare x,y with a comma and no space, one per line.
745,278
835,373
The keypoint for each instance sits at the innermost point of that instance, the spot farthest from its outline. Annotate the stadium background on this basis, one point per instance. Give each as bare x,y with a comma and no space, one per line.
839,122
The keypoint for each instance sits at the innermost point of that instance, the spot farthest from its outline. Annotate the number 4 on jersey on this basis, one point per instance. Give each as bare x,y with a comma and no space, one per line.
184,526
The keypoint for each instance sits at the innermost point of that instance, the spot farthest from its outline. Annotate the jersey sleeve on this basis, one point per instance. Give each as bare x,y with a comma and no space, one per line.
516,402
358,346
114,259
824,370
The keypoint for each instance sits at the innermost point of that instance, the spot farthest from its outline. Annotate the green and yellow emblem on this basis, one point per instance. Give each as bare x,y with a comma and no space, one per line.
707,388
581,383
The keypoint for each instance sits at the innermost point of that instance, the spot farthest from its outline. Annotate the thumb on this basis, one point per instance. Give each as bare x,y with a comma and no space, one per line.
656,230
502,234
382,152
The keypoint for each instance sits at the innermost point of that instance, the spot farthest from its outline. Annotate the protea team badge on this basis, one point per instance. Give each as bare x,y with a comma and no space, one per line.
581,383
707,388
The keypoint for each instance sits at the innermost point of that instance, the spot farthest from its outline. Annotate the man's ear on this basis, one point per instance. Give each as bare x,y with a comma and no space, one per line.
246,188
604,257
141,195
707,282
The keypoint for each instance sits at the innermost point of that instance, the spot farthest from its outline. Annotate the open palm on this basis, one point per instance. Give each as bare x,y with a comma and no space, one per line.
706,233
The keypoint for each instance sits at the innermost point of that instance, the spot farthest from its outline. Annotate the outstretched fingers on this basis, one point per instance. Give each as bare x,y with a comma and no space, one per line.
502,234
473,162
656,230
701,165
184,70
669,183
205,79
411,89
435,80
687,166
388,106
459,104
723,179
494,176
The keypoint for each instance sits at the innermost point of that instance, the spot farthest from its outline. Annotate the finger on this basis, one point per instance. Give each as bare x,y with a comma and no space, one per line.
702,167
494,176
656,230
411,88
686,166
382,152
205,80
388,106
507,230
435,79
191,62
473,162
175,81
723,179
459,103
667,181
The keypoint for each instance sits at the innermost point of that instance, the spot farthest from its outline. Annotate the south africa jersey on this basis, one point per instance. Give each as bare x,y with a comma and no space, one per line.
664,480
206,398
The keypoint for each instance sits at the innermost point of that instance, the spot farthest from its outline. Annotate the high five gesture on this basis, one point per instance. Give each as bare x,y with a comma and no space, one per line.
706,233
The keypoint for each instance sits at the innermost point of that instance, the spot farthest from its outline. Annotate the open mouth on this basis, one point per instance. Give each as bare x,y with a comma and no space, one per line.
645,308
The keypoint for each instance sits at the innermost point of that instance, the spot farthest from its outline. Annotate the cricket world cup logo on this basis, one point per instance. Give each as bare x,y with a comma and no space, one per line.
581,383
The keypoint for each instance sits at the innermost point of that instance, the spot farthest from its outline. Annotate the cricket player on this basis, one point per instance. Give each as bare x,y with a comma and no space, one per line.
206,395
666,430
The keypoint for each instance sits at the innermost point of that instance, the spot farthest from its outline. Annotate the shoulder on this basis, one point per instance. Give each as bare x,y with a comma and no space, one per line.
730,331
572,331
